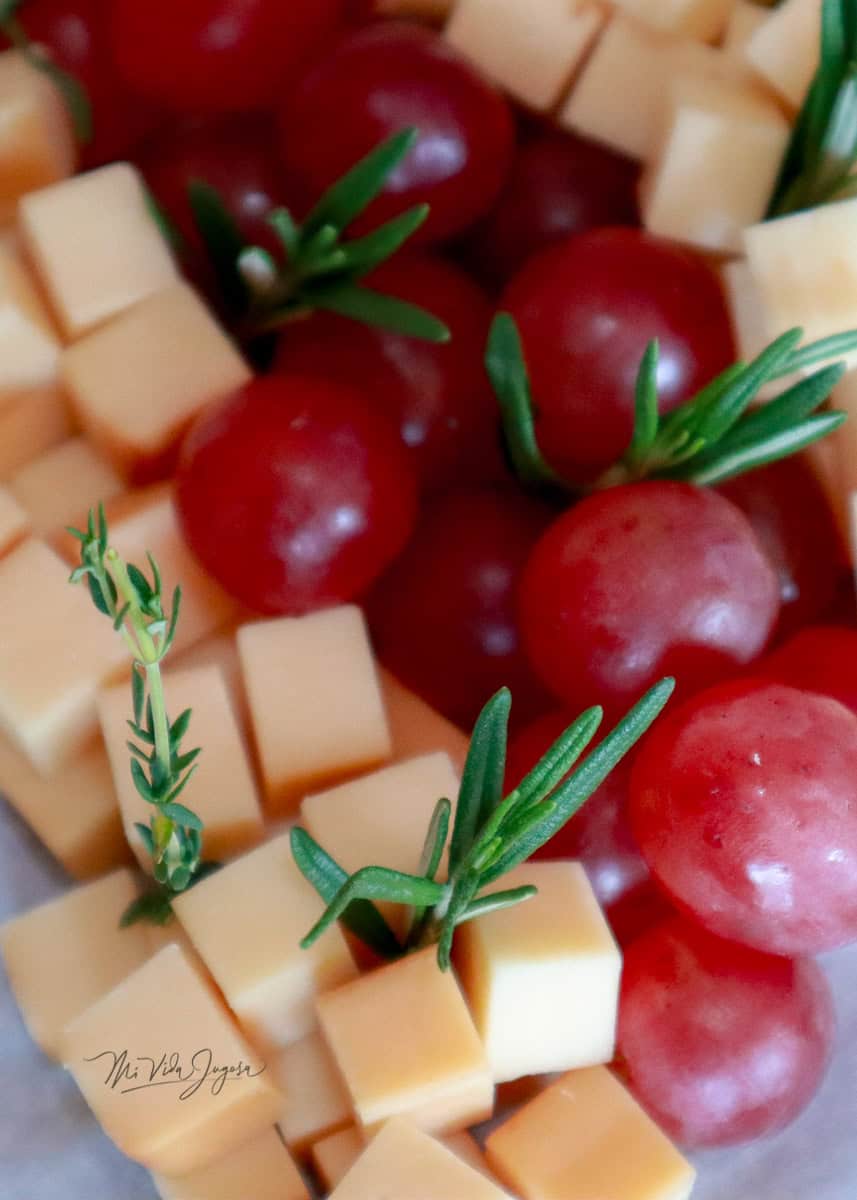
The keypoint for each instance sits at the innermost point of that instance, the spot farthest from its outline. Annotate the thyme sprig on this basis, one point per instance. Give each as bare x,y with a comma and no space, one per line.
491,833
70,88
714,436
160,767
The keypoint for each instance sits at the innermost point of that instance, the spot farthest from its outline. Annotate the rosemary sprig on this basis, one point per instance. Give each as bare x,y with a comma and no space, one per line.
823,147
70,88
714,436
319,268
491,833
160,768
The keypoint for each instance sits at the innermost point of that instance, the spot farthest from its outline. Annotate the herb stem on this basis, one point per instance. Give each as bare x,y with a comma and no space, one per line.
160,723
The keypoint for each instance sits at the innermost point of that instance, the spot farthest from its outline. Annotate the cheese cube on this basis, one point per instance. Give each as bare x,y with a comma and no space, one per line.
29,346
56,650
96,247
74,813
416,727
64,955
715,166
38,145
137,383
542,978
586,1136
261,1168
804,267
31,422
784,49
316,1102
222,791
702,19
221,651
745,18
403,1161
550,40
166,1072
314,700
59,487
14,522
333,1156
246,921
425,1061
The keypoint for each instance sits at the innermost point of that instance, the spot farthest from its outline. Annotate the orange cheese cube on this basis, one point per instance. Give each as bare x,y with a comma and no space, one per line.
428,1064
246,921
804,267
702,19
74,813
784,49
465,1146
316,1102
403,1161
417,728
744,19
586,1136
64,955
96,247
333,1156
14,521
261,1168
221,651
314,699
38,144
552,957
715,166
29,346
31,422
56,650
137,383
59,487
222,791
208,1092
550,40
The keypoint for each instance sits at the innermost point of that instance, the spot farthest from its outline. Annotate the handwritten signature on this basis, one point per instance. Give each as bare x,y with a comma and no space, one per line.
126,1074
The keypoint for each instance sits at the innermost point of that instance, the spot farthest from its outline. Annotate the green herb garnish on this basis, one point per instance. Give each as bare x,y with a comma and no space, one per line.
490,835
160,767
71,89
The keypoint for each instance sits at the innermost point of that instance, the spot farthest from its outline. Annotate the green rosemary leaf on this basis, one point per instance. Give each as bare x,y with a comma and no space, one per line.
141,584
182,816
522,822
463,895
646,404
181,762
119,619
146,835
180,877
222,240
180,726
480,774
497,900
726,464
376,883
374,308
821,351
362,255
152,907
435,841
316,247
138,693
145,735
141,783
787,410
174,619
181,785
283,224
138,753
556,762
348,197
97,594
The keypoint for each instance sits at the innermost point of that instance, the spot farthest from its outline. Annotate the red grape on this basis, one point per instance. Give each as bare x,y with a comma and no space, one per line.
586,310
721,1043
438,396
376,81
215,55
642,581
443,617
294,494
822,659
744,803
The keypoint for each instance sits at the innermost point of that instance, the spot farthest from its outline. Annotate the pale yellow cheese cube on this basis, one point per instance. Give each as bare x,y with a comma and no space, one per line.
748,320
31,422
715,165
542,978
137,383
14,521
316,1100
804,267
38,144
784,49
56,650
530,50
403,1161
702,19
423,1060
73,812
315,702
745,18
222,791
64,955
59,487
261,1168
586,1136
29,345
246,921
166,1071
96,247
333,1156
416,727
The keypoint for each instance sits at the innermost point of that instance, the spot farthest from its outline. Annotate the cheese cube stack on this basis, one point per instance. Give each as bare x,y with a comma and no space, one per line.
32,421
59,487
261,1168
784,48
65,955
246,922
14,521
426,1064
586,1136
416,727
702,19
38,145
316,1101
29,344
171,1024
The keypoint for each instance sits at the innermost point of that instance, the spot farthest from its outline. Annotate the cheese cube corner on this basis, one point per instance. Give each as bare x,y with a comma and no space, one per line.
586,1136
316,1101
333,1156
246,922
261,1168
315,701
59,487
95,245
29,345
424,1060
38,145
138,382
416,727
784,48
